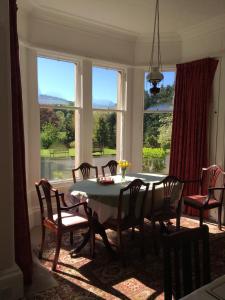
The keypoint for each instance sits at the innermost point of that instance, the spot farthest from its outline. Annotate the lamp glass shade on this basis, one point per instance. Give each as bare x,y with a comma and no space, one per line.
155,75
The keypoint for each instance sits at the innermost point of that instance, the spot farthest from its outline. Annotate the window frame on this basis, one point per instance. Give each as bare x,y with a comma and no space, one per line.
149,111
121,108
77,104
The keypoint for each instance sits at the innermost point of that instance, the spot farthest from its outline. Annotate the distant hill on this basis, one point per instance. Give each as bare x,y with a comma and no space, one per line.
52,100
103,103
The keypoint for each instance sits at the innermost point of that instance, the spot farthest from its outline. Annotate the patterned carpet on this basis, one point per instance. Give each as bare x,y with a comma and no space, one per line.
106,278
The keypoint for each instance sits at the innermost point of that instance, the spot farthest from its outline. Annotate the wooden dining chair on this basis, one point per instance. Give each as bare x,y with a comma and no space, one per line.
112,165
209,196
186,261
64,219
170,204
85,169
130,212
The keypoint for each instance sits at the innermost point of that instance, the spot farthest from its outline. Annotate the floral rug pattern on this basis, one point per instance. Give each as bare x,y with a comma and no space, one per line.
103,277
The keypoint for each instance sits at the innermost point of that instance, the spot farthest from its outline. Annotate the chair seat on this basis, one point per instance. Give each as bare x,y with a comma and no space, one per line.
160,215
70,219
198,201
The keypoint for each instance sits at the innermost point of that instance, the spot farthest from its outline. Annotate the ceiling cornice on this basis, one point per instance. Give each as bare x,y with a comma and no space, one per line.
57,17
77,23
164,37
204,28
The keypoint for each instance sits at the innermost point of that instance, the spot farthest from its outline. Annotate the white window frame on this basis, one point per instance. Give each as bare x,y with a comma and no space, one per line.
149,111
76,108
121,108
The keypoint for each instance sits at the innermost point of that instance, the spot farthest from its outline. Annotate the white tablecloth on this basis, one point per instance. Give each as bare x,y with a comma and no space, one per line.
213,290
103,199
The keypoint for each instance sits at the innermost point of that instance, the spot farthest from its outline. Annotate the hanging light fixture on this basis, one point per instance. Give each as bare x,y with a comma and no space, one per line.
155,76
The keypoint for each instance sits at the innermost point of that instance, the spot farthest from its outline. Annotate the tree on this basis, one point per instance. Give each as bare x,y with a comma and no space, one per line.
49,134
101,134
165,132
111,127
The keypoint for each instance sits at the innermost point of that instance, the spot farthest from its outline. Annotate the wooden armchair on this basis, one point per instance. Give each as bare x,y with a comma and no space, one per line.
85,169
209,196
186,261
130,214
63,220
112,165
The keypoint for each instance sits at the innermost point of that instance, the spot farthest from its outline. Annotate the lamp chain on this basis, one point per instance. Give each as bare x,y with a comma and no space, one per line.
156,23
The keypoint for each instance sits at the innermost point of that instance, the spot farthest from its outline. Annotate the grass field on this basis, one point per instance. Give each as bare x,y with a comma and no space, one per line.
71,152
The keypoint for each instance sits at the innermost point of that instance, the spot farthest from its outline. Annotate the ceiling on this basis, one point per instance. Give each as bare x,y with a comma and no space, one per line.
134,16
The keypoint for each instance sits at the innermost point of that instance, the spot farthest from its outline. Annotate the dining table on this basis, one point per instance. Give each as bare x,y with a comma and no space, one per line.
102,199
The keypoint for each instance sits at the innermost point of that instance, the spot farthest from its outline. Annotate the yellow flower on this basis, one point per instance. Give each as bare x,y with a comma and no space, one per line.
123,163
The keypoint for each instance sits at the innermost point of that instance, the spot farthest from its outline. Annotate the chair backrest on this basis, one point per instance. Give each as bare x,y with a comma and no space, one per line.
209,178
46,196
186,261
172,189
131,199
112,165
85,169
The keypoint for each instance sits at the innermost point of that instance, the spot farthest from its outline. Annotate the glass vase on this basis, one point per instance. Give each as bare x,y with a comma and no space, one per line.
123,174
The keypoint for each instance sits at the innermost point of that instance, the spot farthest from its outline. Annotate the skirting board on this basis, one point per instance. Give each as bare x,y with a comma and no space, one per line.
11,284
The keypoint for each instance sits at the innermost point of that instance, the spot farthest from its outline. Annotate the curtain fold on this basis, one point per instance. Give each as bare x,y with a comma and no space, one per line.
23,254
189,145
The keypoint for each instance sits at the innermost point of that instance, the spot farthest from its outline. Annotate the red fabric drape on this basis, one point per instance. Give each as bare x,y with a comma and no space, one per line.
23,254
189,146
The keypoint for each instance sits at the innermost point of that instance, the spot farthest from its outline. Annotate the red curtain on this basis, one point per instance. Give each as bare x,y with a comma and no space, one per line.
189,146
23,253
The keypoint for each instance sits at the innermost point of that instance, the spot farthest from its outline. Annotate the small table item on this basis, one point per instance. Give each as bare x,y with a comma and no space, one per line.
105,180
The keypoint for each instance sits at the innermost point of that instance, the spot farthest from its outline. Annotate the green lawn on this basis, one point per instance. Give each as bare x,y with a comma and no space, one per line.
71,153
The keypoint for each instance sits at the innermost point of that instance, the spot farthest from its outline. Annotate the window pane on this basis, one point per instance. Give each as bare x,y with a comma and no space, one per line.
164,100
157,140
57,143
104,88
104,137
56,82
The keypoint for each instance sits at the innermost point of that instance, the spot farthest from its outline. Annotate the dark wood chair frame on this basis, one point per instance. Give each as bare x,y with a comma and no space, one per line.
50,194
167,212
213,173
112,165
186,267
85,169
130,220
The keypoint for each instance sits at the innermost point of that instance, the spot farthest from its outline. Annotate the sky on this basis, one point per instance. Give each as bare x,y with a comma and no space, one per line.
57,78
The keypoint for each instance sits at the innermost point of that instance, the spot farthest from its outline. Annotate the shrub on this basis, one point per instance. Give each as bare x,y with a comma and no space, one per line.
72,144
154,159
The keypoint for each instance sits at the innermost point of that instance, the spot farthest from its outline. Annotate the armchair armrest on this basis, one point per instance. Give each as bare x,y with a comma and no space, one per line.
211,193
73,206
216,188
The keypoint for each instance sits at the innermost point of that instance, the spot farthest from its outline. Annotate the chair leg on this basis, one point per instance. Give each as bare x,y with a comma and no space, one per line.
219,217
42,241
201,212
154,239
142,240
120,246
58,244
71,238
178,223
133,233
92,242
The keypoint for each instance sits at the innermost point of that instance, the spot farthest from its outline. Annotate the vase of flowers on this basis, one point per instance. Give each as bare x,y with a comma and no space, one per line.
123,167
